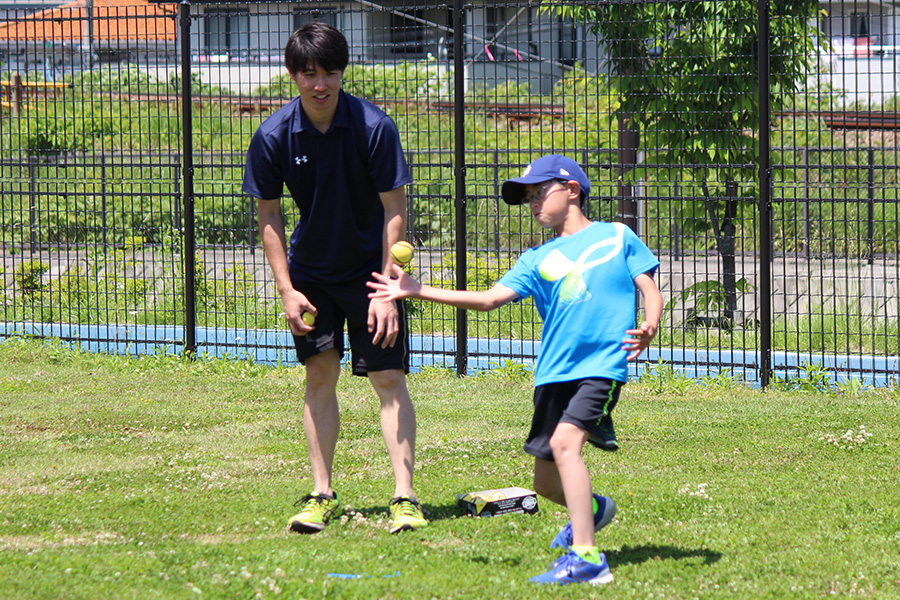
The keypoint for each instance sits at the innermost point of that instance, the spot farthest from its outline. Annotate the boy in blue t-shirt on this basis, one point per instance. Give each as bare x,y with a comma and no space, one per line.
583,284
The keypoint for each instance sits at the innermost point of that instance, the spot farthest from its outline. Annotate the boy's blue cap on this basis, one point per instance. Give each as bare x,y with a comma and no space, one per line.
552,166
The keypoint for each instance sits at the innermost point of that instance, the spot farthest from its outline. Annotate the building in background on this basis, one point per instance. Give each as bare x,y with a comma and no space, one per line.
864,58
15,9
56,41
239,45
502,41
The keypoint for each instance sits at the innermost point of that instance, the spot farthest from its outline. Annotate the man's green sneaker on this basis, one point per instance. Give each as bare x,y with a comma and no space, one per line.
317,510
406,514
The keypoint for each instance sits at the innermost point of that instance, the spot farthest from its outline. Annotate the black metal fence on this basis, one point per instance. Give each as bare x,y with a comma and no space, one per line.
753,145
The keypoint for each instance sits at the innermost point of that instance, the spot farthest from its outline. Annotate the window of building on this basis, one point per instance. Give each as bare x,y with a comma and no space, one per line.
302,17
227,32
408,35
497,31
444,41
556,38
859,25
568,41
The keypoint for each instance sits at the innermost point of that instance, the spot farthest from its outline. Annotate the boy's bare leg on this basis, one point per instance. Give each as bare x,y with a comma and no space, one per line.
546,481
321,417
566,443
398,426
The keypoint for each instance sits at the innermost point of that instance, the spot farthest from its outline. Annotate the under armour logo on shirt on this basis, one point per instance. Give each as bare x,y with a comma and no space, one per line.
300,159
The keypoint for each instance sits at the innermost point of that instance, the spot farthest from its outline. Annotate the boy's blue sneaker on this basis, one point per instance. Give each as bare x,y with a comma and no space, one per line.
571,568
606,510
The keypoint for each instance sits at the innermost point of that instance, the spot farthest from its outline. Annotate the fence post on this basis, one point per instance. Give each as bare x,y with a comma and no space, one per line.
251,227
412,159
771,219
870,224
676,247
676,233
584,164
187,107
806,203
459,143
103,200
496,194
32,203
411,219
629,139
16,94
765,203
176,194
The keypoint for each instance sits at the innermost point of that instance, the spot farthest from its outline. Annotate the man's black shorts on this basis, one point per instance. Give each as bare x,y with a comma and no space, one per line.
349,302
585,403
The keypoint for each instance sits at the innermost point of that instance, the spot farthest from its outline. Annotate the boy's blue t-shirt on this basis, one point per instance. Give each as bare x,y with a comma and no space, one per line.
583,288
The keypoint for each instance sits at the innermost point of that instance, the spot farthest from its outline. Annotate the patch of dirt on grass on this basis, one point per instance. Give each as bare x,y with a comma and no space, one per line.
41,542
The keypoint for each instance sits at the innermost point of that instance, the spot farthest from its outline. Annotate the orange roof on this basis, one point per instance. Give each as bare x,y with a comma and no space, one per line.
114,20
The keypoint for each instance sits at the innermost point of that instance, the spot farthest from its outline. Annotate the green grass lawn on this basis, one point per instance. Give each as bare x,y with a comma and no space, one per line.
159,478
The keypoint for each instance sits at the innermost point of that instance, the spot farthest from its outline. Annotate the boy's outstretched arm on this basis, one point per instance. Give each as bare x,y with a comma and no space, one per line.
653,307
404,286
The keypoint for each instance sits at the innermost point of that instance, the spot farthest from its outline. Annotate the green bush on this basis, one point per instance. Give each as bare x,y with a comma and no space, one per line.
29,275
121,79
418,81
422,80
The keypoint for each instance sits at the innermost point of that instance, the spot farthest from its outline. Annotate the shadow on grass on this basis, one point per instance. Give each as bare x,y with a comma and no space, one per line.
639,554
439,512
618,558
494,561
433,512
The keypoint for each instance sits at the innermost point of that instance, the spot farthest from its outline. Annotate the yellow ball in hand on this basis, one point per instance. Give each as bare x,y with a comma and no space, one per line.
402,253
308,318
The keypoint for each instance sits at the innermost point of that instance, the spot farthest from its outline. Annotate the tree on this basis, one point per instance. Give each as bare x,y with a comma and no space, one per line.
687,77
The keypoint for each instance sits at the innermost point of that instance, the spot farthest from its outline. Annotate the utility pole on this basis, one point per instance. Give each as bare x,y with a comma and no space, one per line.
89,32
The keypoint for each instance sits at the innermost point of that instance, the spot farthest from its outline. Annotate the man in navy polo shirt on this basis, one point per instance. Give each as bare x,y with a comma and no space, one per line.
341,160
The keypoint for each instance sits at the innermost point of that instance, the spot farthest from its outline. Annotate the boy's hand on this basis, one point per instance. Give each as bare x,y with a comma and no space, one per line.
388,289
640,339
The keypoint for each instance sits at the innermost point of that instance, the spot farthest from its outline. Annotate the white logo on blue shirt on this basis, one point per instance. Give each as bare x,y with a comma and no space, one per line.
300,159
556,266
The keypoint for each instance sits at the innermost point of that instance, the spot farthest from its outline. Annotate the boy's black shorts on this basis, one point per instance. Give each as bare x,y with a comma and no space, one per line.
349,302
585,403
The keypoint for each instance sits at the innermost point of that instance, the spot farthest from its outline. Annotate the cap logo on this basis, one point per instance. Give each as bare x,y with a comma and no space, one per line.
526,171
563,172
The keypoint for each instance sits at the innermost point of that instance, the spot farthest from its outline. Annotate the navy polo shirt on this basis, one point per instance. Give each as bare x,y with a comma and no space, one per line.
334,179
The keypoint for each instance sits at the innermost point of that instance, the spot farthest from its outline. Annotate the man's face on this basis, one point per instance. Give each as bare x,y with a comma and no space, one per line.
318,90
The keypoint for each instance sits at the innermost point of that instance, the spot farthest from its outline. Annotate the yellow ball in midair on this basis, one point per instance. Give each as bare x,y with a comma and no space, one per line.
402,252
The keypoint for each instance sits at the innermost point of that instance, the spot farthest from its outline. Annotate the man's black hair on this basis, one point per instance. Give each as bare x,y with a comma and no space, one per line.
316,43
